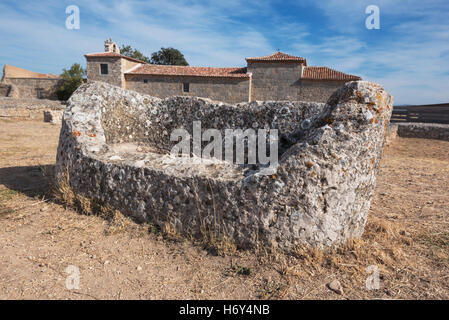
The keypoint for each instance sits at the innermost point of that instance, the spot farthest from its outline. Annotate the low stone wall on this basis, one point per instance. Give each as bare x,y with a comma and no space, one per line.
423,130
27,108
114,149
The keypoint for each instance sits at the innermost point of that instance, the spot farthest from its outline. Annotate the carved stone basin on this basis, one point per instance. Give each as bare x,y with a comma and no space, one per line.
115,147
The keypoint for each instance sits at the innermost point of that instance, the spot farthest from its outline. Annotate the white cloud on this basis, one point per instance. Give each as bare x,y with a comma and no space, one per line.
194,27
409,56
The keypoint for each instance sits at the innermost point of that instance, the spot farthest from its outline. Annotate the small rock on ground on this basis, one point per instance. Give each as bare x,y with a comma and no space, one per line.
335,286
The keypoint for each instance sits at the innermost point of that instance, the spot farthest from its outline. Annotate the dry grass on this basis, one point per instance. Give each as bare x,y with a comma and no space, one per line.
406,238
64,194
212,237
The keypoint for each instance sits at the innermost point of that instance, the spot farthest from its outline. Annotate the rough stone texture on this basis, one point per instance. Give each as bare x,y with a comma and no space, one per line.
21,83
4,89
318,90
275,80
114,75
53,116
27,108
117,67
29,88
269,82
9,90
423,130
13,92
114,145
231,90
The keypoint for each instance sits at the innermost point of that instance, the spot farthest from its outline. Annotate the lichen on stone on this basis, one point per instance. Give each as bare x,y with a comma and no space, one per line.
115,145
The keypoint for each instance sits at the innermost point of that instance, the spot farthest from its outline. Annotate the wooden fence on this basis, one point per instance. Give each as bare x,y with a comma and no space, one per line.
431,113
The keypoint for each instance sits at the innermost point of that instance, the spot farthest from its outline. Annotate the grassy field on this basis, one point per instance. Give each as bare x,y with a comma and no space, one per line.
406,239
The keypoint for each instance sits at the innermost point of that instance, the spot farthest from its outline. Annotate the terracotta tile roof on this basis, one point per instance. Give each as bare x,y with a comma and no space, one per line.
153,69
10,71
325,73
111,54
277,56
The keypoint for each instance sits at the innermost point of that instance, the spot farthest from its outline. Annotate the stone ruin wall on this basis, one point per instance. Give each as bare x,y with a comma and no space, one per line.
8,90
418,130
28,88
28,108
114,147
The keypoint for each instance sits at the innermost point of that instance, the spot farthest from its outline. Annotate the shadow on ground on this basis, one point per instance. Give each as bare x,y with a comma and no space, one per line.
32,181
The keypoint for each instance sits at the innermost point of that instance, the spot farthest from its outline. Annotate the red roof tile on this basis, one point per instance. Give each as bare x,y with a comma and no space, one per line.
10,71
153,69
278,56
111,54
325,73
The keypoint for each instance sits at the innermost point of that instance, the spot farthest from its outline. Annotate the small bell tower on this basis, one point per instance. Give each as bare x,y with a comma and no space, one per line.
111,46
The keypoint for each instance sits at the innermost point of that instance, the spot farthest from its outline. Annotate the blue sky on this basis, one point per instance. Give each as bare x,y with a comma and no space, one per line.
409,55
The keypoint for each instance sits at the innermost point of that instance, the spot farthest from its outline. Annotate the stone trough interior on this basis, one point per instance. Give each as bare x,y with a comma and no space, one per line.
115,145
142,136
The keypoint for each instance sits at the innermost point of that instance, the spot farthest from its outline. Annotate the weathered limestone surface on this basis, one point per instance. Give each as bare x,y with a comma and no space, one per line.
114,144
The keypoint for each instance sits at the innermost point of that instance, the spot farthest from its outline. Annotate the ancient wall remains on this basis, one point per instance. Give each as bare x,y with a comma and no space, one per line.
21,83
27,107
423,130
39,88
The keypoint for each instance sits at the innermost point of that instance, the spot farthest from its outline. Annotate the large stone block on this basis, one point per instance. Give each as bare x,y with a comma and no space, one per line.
114,145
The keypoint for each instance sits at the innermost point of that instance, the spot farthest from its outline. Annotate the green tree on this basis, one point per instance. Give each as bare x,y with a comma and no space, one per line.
73,78
133,53
168,56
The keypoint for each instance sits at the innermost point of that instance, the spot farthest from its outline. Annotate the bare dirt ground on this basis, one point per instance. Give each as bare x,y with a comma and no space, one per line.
406,238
